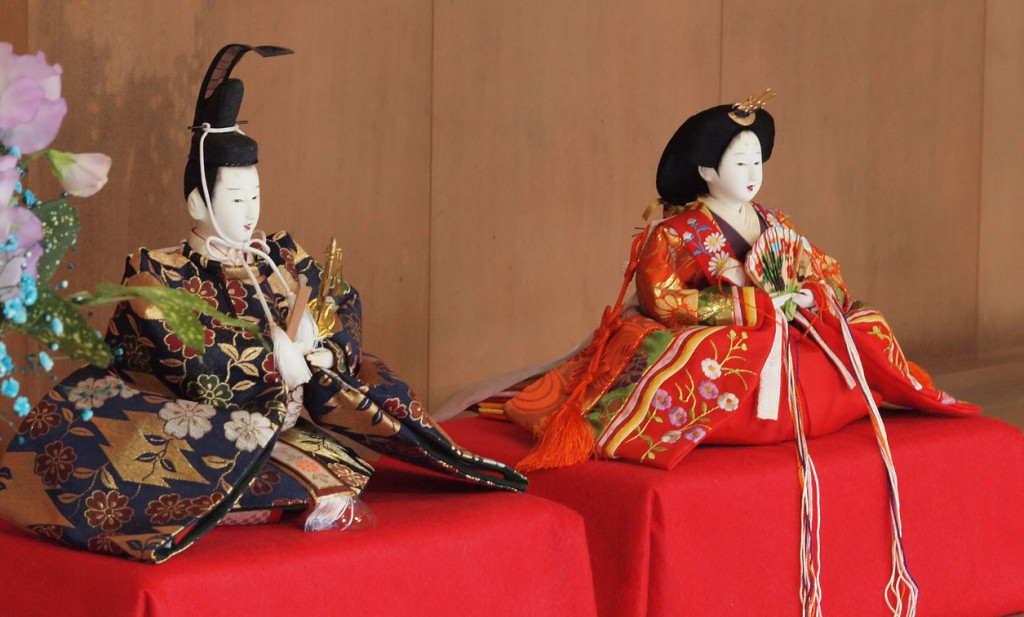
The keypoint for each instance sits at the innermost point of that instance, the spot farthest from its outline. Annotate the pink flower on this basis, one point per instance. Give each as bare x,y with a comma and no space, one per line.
677,416
31,108
9,176
27,231
662,400
81,175
696,434
707,390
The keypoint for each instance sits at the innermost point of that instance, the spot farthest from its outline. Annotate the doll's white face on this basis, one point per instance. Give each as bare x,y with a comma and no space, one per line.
236,202
738,177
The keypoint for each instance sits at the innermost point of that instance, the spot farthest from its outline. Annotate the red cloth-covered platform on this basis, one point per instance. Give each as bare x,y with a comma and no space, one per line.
440,547
719,533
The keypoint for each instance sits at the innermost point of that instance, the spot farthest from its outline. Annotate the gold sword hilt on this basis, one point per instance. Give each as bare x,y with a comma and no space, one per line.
331,283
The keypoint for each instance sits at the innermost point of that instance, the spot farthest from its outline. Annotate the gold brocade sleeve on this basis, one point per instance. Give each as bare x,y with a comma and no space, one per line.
673,290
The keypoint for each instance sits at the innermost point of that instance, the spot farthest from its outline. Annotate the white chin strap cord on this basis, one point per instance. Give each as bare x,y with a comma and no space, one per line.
289,355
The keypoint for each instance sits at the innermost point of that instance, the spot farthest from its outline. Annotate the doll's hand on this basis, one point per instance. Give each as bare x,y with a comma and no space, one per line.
804,298
789,302
320,358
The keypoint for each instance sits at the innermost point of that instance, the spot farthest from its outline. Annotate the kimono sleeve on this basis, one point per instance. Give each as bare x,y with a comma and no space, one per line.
233,371
673,289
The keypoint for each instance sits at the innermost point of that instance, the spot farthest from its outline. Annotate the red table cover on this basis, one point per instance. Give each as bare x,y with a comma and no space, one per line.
440,547
719,534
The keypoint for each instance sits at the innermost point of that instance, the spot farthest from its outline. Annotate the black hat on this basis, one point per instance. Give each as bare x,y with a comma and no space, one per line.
220,98
701,141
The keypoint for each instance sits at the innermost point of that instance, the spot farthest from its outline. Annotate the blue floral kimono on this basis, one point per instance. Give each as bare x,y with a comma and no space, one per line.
178,442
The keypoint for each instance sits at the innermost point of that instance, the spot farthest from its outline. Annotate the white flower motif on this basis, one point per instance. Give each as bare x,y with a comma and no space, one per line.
187,418
116,385
248,430
91,393
714,242
711,368
293,409
687,236
671,436
720,262
728,402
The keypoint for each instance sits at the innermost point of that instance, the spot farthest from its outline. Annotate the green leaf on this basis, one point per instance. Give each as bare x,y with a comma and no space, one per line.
179,309
79,340
60,228
789,309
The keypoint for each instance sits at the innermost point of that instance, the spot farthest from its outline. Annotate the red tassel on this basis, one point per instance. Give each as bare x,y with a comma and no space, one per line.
921,375
567,437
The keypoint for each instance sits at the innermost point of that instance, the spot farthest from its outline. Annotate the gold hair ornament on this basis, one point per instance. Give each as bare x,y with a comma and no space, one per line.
744,113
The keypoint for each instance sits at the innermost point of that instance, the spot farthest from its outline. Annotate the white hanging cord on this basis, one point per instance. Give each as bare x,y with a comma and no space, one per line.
810,499
289,356
902,587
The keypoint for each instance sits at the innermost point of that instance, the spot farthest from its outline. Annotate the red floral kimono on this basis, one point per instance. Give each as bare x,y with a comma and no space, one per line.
694,361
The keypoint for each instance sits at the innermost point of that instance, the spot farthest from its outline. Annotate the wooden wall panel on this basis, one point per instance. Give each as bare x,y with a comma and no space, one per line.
548,122
14,24
877,154
1000,250
484,163
347,134
343,127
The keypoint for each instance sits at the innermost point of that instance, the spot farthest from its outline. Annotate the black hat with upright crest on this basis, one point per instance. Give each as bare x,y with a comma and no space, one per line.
215,133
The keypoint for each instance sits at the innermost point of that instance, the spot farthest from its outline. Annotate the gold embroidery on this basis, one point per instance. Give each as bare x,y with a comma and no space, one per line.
717,308
128,443
20,501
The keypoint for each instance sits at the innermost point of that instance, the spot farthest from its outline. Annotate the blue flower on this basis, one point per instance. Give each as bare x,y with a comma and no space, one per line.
29,292
14,309
6,366
45,361
9,388
57,326
86,414
21,406
11,243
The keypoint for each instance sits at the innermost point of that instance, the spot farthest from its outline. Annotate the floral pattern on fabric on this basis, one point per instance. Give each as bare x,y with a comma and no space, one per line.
177,439
686,367
133,480
697,380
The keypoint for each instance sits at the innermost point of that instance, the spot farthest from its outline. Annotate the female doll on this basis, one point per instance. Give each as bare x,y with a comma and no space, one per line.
707,354
744,333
